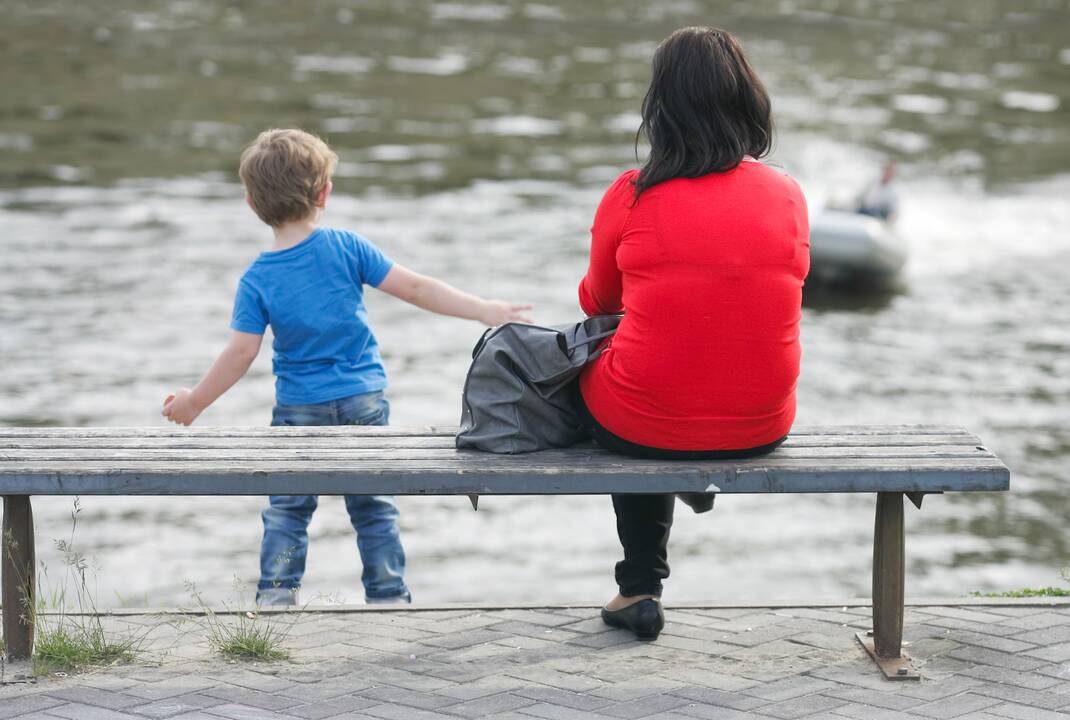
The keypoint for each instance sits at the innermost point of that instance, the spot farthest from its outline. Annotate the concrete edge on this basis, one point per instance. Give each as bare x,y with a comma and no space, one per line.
453,607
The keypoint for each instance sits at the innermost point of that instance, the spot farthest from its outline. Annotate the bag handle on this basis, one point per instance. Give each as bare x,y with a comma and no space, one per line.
591,338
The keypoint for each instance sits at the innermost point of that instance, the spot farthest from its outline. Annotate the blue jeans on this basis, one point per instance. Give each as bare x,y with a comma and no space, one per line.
374,517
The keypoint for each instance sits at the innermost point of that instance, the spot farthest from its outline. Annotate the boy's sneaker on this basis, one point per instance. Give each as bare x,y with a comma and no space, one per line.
403,599
276,597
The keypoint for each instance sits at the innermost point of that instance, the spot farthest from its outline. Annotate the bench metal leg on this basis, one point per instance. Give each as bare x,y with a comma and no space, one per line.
17,576
885,645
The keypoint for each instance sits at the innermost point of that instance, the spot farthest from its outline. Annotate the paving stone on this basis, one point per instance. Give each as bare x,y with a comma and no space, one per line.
453,641
1060,671
1053,653
470,621
550,619
1024,712
721,679
716,712
963,613
576,701
552,712
677,617
490,685
101,681
789,688
798,707
331,708
489,704
251,698
557,679
1032,681
954,623
644,707
517,627
720,698
264,682
1022,662
92,696
171,687
954,706
639,687
325,689
176,705
992,642
402,712
78,711
884,698
1035,620
1024,696
404,696
16,706
931,690
709,647
860,711
1046,636
236,711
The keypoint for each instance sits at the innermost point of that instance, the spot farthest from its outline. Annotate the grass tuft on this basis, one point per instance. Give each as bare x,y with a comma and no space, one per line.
248,639
71,638
72,646
1064,574
244,634
1026,593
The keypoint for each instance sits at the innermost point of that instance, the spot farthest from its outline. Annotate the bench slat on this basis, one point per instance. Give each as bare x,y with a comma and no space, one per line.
421,478
181,455
441,441
226,432
338,460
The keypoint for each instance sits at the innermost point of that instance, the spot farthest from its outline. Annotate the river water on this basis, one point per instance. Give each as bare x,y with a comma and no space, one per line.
475,140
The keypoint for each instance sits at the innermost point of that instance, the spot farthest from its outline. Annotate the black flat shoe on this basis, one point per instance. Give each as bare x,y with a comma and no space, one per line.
644,618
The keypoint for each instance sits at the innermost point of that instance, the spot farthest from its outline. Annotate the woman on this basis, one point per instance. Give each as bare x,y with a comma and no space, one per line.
705,250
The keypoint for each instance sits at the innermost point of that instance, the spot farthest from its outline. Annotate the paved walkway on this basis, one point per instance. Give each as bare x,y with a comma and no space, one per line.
980,661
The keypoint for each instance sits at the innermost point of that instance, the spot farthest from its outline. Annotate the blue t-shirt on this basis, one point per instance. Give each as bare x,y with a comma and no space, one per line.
312,296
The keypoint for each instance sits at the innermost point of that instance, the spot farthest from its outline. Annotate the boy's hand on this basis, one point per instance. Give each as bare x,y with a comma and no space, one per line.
496,312
180,408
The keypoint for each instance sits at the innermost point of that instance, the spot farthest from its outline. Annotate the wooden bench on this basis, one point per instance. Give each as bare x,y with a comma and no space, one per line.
889,461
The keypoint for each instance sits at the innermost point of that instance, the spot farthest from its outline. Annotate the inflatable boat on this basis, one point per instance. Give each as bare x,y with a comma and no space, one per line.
854,249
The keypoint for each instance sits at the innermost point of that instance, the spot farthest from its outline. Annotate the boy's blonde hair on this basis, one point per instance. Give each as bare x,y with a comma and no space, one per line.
284,171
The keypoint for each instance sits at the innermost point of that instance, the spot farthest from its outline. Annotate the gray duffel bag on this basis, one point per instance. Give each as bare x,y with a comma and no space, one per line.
518,396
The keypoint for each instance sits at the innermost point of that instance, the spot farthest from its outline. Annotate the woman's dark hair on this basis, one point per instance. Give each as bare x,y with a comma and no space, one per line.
705,109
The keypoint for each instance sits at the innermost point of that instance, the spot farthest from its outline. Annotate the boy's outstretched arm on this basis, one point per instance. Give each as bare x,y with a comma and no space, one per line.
438,297
184,406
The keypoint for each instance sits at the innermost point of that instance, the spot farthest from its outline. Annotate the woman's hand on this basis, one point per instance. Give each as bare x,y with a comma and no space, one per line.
497,312
180,407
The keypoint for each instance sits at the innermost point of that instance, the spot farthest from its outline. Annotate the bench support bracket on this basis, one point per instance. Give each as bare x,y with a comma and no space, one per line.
886,644
17,576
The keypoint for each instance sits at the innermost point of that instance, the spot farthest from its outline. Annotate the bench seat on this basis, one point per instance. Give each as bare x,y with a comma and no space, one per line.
892,461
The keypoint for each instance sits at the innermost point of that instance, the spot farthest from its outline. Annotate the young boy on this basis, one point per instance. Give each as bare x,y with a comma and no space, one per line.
309,289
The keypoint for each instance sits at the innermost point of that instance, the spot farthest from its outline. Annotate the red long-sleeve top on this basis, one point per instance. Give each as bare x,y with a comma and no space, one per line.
708,272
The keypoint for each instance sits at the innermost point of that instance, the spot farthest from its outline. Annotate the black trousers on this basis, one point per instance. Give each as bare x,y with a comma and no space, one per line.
644,521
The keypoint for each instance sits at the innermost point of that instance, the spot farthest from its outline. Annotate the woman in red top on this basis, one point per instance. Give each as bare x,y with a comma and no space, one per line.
704,250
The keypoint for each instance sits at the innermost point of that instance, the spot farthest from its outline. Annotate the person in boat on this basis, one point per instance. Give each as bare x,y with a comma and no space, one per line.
881,197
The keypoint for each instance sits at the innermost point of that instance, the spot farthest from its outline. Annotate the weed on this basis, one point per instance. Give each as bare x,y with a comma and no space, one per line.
71,636
244,634
1032,592
1026,592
